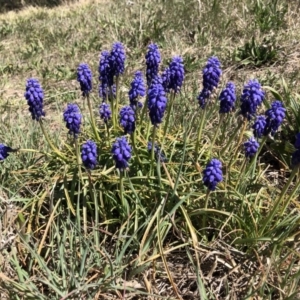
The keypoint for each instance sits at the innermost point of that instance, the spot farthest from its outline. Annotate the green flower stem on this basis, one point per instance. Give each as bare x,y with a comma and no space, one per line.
124,203
199,135
144,110
292,193
279,201
95,200
205,207
136,152
241,171
107,130
55,150
236,152
93,119
113,117
152,149
79,163
216,133
117,98
230,140
169,111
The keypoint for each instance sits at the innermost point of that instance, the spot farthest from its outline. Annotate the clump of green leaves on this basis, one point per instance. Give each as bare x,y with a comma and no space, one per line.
255,53
269,15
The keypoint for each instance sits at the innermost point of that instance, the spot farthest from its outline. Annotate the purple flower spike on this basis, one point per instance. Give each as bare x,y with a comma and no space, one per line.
121,152
105,112
72,117
35,97
127,119
4,151
203,97
152,62
106,92
117,59
84,77
105,72
174,75
212,174
227,98
251,147
259,126
137,90
251,98
157,103
212,74
274,117
89,155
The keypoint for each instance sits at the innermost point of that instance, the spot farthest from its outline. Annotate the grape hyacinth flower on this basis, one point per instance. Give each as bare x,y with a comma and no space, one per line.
72,117
89,154
174,75
106,92
84,77
251,98
4,151
157,103
274,117
251,147
152,62
127,119
158,153
105,112
117,59
121,152
259,126
104,69
227,98
165,78
212,74
212,174
203,97
35,96
137,90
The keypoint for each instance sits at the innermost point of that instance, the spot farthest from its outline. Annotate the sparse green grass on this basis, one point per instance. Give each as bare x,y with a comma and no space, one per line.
154,246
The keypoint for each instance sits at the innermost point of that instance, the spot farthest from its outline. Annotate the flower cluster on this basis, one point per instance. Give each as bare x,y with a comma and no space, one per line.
251,98
251,147
105,112
127,119
121,152
72,117
274,117
138,89
212,174
106,92
158,152
259,126
211,77
227,98
173,76
111,64
35,96
89,154
157,103
4,151
117,59
152,62
84,77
